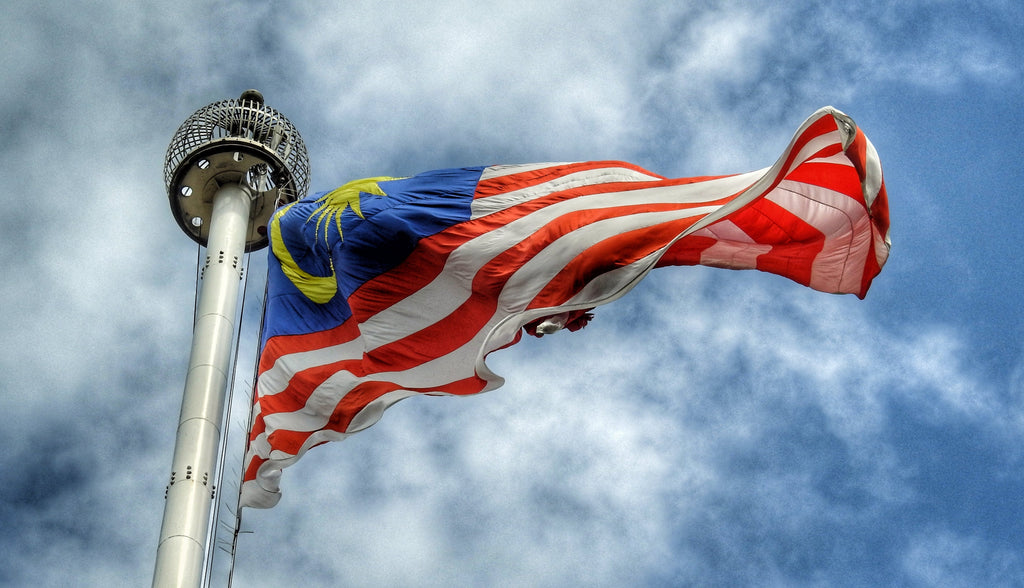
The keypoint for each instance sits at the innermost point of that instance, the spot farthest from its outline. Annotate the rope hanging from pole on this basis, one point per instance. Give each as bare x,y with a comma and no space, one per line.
226,436
247,426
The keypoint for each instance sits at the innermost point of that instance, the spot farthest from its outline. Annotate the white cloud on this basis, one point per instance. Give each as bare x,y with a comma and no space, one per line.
474,82
711,425
941,557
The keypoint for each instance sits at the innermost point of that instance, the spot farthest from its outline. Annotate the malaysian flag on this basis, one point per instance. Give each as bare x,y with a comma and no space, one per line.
390,287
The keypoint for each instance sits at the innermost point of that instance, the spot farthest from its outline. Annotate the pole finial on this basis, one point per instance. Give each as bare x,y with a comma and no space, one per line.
241,142
251,95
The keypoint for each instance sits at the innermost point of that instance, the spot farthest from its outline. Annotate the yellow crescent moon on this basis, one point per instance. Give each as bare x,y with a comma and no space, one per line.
321,289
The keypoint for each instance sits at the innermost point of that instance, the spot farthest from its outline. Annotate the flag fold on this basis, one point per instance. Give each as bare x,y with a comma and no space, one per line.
390,287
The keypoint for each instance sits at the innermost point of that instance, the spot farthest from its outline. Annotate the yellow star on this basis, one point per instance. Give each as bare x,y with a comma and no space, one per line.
333,203
321,289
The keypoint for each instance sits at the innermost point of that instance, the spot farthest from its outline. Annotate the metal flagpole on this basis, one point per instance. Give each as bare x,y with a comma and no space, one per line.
228,166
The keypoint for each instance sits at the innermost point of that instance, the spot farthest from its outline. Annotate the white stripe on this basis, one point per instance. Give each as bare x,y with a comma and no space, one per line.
498,171
813,146
303,421
872,174
837,159
275,379
842,220
318,408
589,177
733,248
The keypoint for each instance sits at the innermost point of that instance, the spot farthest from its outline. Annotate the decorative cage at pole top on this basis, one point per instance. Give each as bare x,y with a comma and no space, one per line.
242,142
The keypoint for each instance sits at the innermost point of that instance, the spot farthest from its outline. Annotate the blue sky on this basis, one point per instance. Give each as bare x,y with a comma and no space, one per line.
712,428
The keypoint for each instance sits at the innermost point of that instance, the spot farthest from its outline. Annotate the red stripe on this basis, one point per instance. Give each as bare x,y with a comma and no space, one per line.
525,179
426,262
281,345
356,400
832,176
253,466
607,255
686,251
794,243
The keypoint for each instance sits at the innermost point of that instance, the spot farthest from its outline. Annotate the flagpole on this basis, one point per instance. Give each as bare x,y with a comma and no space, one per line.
192,489
226,169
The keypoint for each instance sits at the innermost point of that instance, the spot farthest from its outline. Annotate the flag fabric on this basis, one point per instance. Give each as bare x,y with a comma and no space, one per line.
391,287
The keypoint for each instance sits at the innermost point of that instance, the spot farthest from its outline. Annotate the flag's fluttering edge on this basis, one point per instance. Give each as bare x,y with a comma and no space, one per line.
386,288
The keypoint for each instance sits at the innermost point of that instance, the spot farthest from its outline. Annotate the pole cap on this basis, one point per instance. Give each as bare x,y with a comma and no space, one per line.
239,141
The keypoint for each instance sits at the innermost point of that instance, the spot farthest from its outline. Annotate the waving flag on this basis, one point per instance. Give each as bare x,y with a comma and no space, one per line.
386,288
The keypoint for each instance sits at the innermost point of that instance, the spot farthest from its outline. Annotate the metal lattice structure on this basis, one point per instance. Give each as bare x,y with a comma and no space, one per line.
241,142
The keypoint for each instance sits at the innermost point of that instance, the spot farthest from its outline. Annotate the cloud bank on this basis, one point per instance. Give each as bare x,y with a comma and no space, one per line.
711,428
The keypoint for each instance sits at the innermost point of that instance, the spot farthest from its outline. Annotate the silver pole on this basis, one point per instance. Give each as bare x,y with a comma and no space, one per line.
228,166
191,492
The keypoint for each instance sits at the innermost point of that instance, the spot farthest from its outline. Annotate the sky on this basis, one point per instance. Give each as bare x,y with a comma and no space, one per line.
711,428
